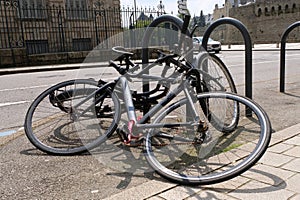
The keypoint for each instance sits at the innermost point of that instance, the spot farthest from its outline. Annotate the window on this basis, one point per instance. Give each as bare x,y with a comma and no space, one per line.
294,9
82,44
287,10
76,9
267,11
279,10
273,12
259,12
33,9
37,46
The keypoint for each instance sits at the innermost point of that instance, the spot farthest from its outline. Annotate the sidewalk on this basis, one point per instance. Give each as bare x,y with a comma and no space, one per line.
276,176
26,173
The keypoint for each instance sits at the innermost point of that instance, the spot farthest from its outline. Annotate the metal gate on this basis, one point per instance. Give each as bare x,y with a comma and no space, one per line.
31,29
11,30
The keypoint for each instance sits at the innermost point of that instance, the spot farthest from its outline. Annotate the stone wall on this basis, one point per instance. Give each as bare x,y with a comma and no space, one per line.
18,57
10,57
266,21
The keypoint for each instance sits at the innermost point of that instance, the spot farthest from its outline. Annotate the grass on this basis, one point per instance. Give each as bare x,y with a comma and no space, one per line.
229,148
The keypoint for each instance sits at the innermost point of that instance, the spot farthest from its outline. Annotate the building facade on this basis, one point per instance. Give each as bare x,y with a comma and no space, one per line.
30,27
266,20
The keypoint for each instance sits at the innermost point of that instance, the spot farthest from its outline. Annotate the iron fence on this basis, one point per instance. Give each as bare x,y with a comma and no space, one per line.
56,29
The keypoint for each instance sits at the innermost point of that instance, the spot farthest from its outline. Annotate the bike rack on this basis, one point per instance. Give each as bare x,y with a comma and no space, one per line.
282,54
248,47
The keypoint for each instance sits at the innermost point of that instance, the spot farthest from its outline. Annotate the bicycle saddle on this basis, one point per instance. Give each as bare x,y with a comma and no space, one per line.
123,53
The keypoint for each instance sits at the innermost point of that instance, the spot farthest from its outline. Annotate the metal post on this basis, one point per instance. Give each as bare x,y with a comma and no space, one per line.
22,30
248,50
135,10
248,47
61,30
282,54
106,29
96,14
131,31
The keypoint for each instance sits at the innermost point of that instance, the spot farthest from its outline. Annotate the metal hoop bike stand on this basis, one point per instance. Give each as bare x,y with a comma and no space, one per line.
248,47
282,54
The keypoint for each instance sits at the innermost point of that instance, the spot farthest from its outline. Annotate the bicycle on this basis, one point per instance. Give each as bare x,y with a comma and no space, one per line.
94,111
202,138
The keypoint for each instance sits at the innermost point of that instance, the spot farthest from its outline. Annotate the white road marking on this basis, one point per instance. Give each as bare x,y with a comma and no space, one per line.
262,62
5,133
10,132
24,88
13,103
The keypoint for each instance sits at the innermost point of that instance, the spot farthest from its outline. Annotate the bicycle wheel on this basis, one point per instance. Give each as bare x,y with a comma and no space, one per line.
190,151
216,77
54,126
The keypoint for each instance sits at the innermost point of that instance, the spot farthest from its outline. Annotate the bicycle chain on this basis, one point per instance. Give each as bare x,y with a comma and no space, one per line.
162,145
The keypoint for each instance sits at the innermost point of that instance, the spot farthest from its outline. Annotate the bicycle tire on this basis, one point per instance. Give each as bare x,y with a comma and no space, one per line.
212,157
50,127
215,76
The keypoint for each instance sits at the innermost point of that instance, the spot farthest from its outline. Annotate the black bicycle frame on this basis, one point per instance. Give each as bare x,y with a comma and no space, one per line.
109,85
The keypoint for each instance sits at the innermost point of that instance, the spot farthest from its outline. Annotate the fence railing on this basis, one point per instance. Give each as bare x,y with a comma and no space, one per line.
59,29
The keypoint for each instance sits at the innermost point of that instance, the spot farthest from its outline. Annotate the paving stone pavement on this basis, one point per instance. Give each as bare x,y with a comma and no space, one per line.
275,176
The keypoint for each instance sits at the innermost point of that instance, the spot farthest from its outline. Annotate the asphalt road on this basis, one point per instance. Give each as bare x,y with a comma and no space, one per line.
17,91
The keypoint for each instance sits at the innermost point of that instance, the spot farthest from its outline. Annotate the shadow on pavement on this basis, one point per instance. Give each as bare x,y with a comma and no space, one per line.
292,95
123,162
275,184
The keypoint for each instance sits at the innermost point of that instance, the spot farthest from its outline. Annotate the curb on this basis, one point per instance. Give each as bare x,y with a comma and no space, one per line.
7,71
16,70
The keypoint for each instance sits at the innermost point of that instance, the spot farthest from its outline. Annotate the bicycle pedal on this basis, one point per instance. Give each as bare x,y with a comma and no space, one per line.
122,135
202,138
207,137
135,143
